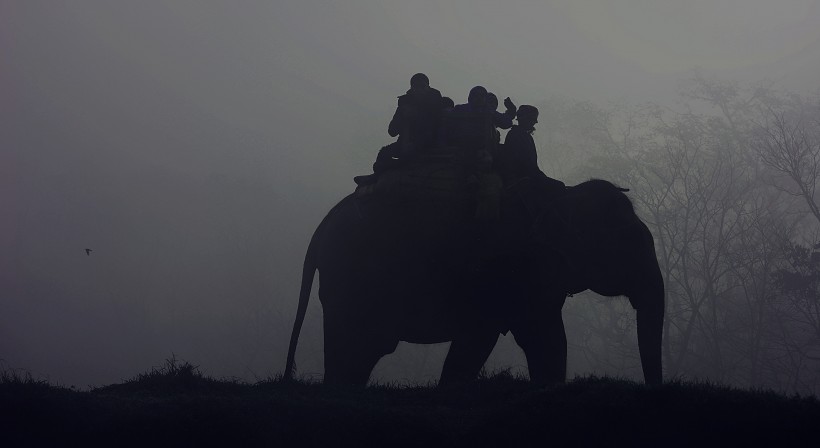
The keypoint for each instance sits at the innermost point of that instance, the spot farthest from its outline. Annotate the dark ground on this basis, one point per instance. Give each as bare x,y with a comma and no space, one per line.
176,405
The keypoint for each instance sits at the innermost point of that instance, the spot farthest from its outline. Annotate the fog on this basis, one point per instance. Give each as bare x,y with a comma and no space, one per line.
194,146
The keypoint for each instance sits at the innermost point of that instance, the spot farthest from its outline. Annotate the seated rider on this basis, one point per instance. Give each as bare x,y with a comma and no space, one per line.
518,159
417,116
416,123
469,127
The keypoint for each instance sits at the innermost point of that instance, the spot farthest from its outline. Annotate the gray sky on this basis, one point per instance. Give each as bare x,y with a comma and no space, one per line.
195,145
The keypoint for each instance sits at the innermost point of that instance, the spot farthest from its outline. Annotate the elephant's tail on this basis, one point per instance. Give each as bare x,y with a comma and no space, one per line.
308,271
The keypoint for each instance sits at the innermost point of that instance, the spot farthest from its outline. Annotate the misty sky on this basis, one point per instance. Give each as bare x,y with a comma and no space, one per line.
195,145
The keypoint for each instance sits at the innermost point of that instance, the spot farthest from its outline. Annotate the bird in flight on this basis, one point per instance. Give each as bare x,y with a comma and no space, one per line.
88,252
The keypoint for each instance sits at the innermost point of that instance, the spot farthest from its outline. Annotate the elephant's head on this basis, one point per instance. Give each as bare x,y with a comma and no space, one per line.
603,246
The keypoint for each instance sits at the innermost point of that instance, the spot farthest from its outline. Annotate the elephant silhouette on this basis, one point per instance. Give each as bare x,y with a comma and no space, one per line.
426,271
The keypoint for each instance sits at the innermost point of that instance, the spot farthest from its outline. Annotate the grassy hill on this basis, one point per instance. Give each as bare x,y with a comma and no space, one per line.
176,405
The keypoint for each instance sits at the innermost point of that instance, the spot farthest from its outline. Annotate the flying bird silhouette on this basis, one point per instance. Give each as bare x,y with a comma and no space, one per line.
88,252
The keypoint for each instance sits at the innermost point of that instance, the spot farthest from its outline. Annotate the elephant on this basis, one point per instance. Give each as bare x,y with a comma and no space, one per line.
424,270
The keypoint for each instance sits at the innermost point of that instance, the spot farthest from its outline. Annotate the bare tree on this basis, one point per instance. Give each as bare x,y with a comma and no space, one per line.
721,183
786,136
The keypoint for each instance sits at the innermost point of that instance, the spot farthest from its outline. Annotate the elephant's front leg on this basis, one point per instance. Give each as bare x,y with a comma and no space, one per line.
467,356
540,333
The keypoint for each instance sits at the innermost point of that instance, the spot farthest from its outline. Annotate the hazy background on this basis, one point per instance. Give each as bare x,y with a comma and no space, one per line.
195,145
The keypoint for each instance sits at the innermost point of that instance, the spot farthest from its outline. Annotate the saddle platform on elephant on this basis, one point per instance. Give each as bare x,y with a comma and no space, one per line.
432,178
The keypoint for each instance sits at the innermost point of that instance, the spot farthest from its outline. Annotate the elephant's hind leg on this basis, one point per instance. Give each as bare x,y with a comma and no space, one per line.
467,356
351,352
350,367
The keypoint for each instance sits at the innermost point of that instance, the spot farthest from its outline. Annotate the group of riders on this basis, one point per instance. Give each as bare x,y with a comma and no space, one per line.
430,126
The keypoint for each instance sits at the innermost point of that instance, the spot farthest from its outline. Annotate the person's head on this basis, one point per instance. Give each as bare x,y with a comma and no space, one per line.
492,101
527,116
477,97
447,103
419,81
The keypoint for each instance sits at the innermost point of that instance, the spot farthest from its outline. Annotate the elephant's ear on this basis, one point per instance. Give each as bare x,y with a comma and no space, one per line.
549,227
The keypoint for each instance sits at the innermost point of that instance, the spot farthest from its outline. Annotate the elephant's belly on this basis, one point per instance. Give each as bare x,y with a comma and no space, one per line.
447,319
428,324
428,338
431,328
409,299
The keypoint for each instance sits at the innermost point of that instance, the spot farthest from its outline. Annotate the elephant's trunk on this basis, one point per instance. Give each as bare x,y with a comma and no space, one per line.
648,300
650,335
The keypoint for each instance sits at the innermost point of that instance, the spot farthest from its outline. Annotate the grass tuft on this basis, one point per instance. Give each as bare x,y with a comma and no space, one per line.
175,376
21,380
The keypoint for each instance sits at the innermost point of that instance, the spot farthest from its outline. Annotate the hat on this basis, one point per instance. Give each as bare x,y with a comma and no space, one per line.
526,111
